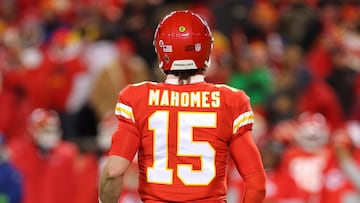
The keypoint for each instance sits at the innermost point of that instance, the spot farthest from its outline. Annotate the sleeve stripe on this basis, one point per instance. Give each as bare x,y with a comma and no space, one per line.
125,111
243,119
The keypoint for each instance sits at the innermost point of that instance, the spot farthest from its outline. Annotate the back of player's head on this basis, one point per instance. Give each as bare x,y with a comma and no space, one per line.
183,41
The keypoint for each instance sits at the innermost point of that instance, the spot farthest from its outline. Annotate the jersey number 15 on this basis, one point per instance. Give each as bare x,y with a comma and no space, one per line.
159,172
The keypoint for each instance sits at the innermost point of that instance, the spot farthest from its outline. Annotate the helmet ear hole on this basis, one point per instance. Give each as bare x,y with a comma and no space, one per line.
166,58
183,41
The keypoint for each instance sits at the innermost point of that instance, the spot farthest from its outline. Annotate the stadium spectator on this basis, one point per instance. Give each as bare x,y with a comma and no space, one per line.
253,74
297,91
341,182
342,79
86,170
45,161
127,67
303,162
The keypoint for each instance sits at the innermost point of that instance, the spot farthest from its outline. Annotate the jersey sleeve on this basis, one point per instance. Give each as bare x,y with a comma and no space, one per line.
126,138
247,159
244,151
243,115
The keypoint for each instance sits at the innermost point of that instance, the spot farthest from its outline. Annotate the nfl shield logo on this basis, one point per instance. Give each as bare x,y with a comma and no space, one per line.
197,47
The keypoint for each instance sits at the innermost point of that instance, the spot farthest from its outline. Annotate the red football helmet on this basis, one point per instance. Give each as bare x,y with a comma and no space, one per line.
183,41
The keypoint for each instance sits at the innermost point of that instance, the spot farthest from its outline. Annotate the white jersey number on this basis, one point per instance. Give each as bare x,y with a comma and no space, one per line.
160,173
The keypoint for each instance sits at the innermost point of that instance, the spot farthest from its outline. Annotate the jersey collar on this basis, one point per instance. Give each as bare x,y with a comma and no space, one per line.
174,80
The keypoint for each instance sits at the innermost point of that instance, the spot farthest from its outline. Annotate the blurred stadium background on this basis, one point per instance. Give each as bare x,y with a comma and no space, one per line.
298,60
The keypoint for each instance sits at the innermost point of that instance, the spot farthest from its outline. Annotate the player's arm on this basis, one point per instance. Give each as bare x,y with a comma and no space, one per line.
111,179
125,144
247,159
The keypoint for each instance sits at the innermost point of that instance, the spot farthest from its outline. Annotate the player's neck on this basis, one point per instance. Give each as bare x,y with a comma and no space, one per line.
172,79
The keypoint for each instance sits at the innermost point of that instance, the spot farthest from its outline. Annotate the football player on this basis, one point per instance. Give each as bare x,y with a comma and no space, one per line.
45,160
303,161
184,128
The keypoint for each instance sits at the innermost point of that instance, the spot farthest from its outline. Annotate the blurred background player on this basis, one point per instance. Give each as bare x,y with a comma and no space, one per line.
45,161
342,180
303,162
183,129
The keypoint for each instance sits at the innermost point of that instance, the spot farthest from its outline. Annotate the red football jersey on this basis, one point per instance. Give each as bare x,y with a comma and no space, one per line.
300,175
47,178
183,132
338,185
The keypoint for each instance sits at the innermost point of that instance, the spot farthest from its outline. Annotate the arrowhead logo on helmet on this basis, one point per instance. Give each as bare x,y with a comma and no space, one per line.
182,28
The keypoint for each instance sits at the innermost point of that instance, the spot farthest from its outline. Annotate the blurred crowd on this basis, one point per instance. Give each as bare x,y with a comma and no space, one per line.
62,64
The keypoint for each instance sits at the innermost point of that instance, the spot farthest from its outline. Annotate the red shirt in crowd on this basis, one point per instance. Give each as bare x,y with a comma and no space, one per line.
47,177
